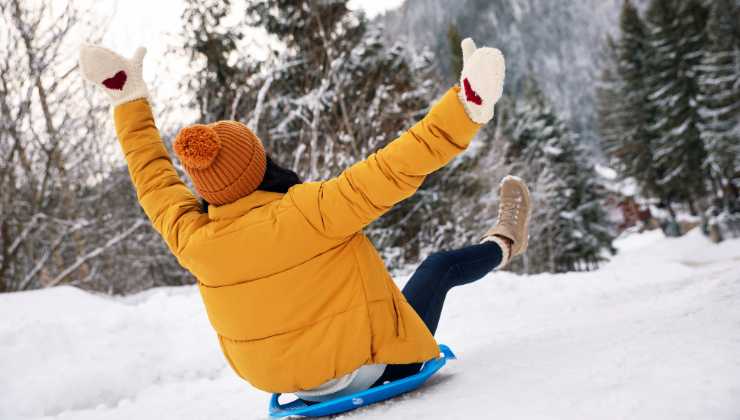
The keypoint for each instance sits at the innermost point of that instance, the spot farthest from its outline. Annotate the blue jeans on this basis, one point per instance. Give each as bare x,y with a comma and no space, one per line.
428,286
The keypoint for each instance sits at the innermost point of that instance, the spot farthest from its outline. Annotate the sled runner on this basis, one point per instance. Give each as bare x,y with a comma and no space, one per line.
362,398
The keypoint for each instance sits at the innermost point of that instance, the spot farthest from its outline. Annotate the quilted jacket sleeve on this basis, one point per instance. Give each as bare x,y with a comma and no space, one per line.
171,207
363,192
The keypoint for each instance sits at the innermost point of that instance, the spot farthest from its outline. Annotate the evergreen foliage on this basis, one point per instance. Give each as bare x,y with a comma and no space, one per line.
676,39
719,102
220,73
670,105
454,39
625,112
569,228
635,151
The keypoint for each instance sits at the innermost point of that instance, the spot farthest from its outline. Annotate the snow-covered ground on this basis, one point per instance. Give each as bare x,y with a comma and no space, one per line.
654,334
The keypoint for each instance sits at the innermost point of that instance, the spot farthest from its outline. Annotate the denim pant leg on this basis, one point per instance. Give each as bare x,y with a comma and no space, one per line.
428,286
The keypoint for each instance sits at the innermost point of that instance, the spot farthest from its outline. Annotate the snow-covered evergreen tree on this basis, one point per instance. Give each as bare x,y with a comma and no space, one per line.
336,92
670,105
634,150
454,40
609,93
676,40
719,103
220,71
570,230
719,107
625,113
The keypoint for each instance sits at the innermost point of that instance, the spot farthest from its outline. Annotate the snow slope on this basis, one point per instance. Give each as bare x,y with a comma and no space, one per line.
654,334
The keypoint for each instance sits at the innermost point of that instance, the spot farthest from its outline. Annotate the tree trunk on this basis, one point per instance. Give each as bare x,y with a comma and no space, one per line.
692,206
4,262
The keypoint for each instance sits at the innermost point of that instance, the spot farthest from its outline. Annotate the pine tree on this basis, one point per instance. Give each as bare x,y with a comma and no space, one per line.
220,73
610,100
337,91
568,219
719,103
676,39
454,39
634,147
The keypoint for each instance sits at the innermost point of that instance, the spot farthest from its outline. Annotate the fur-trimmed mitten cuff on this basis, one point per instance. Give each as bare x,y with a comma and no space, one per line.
481,80
119,77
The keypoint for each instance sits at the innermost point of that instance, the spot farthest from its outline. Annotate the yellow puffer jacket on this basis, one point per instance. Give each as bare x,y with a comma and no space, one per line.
296,292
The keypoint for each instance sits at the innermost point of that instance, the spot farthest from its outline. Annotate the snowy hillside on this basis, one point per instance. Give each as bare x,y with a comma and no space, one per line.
655,334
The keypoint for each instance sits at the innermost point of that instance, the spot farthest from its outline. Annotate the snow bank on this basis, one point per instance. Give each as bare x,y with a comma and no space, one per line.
654,334
64,349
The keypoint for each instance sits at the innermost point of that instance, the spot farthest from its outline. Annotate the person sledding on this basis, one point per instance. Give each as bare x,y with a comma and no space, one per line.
300,299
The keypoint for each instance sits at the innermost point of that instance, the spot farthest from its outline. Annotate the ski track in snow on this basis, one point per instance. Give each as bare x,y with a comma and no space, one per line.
654,334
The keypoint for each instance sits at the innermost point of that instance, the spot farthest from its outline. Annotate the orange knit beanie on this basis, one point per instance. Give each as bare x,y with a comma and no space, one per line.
225,160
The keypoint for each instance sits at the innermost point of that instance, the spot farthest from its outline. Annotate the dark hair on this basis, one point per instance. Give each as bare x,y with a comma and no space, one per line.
277,179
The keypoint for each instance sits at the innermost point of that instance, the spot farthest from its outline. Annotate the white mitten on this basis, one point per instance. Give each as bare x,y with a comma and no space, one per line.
119,77
481,80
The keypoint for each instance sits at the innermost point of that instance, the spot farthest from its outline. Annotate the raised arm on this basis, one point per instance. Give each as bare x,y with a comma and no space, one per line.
343,205
170,205
364,191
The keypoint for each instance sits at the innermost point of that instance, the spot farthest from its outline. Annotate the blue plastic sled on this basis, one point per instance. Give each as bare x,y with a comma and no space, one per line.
363,398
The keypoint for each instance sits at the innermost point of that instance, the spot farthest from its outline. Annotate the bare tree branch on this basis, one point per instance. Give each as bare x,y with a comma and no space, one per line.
94,253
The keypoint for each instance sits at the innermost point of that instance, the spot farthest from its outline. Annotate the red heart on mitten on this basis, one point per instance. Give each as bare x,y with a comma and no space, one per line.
470,94
116,82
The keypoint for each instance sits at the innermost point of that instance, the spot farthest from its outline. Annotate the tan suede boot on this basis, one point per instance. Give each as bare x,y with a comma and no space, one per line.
511,231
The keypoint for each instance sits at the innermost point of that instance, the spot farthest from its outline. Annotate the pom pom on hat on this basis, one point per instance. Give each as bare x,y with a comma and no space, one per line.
225,160
197,146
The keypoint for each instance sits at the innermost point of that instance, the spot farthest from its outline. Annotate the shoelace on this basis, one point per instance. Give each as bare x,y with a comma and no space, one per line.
508,212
